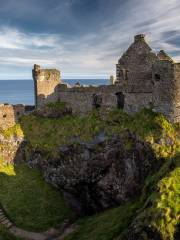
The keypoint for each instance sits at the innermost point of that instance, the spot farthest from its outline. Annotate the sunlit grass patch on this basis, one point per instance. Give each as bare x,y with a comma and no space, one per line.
6,168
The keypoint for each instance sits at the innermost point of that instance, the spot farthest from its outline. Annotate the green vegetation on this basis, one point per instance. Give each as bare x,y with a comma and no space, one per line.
57,106
162,206
5,235
107,225
15,131
47,134
30,202
33,205
158,207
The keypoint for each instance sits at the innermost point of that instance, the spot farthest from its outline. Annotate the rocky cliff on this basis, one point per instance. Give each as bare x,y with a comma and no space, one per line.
99,174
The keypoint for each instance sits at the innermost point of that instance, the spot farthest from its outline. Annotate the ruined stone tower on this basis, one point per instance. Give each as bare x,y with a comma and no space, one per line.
45,83
166,90
134,74
149,79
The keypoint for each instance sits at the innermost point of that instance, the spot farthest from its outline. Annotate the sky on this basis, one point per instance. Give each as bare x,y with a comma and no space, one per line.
82,38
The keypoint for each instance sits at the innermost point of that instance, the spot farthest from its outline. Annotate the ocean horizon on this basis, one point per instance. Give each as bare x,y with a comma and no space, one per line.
22,91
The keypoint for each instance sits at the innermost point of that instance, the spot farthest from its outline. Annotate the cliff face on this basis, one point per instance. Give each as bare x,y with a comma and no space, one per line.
99,174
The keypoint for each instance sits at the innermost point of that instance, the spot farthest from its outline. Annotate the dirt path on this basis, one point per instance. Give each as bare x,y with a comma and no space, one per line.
51,234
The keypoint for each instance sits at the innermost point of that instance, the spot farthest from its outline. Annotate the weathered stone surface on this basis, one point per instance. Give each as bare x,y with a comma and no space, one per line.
100,174
143,79
9,114
45,82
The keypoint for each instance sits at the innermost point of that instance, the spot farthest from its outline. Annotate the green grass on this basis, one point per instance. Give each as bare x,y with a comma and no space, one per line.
57,106
34,205
107,225
48,134
161,201
5,235
30,202
158,207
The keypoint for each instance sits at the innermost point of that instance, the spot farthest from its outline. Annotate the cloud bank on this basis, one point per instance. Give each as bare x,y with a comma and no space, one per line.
84,39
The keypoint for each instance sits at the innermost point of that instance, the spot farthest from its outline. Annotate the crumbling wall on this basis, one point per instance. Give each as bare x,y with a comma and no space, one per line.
134,68
82,99
144,79
166,92
45,83
177,92
9,114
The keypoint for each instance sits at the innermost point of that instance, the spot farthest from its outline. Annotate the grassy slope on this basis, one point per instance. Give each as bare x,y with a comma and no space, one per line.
47,134
5,235
30,202
107,225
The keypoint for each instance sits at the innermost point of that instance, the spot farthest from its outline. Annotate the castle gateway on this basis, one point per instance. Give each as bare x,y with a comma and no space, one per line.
143,79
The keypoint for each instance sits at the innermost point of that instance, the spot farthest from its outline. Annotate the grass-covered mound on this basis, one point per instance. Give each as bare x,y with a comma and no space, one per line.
48,134
29,201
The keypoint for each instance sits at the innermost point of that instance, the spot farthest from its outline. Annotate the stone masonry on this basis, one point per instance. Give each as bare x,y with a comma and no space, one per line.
45,84
143,79
9,114
149,79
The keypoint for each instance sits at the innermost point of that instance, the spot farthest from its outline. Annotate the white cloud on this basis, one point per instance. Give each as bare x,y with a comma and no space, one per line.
94,54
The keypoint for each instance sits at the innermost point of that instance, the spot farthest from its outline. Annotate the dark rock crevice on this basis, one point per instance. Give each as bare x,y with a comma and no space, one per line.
100,174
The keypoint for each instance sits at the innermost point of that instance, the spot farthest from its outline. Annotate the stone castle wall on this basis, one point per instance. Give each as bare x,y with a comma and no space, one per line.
9,114
45,82
166,92
84,99
144,79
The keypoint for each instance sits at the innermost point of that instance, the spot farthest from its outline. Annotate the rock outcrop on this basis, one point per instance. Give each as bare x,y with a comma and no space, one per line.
99,174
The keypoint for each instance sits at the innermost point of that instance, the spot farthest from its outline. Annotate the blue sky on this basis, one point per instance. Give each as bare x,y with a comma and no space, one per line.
82,38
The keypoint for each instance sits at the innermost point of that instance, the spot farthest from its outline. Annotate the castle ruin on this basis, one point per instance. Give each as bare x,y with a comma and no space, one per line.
143,79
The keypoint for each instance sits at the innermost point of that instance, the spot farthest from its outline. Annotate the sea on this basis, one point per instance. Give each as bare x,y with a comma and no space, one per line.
22,91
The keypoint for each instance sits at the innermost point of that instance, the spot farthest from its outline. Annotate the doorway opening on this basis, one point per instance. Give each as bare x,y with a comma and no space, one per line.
97,101
120,100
